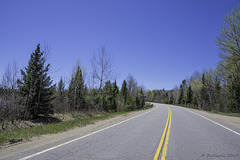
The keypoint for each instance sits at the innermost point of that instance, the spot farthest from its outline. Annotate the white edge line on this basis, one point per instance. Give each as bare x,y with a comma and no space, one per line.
49,149
213,122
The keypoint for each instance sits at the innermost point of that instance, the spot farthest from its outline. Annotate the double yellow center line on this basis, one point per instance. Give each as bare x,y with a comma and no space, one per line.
164,136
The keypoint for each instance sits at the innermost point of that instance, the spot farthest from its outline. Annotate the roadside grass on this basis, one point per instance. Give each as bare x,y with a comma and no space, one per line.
16,135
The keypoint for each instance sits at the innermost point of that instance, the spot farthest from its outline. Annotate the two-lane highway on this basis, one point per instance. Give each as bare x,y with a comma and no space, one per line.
184,135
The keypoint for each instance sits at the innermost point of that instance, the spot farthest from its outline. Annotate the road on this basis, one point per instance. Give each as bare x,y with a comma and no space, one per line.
188,136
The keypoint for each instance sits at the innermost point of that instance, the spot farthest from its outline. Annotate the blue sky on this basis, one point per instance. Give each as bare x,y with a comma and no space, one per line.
159,42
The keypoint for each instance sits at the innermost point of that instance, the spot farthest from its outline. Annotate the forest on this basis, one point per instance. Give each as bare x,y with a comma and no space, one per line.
215,89
33,94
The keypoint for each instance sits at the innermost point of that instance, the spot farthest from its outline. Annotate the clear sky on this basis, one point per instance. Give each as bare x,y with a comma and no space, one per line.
160,42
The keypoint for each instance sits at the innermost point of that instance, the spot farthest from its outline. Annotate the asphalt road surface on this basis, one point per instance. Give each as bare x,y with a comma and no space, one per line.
188,136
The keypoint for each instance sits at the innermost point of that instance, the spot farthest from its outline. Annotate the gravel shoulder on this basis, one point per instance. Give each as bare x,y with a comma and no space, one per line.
11,150
229,120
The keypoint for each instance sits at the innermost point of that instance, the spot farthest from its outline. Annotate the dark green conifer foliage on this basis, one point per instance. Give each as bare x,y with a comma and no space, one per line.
171,99
129,103
195,102
189,95
180,98
61,99
61,91
142,100
138,102
115,92
36,89
166,98
110,93
204,95
233,97
124,91
219,100
61,87
107,96
77,91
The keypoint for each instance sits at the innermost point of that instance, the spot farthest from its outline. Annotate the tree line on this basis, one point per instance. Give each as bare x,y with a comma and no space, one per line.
215,89
33,94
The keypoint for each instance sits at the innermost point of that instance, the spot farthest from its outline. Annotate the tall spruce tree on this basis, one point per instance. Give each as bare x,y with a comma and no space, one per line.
107,96
137,102
61,86
171,99
115,92
165,98
142,100
180,98
35,88
76,91
219,99
189,95
61,99
124,91
203,93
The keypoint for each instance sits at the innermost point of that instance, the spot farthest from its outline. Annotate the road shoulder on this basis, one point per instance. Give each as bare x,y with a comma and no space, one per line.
229,120
44,140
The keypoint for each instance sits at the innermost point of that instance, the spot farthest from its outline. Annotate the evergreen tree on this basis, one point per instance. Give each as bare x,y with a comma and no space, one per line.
171,100
184,100
87,97
36,89
137,102
129,103
77,90
61,87
94,99
60,101
107,96
204,95
189,95
195,102
166,98
115,92
124,91
219,100
142,100
233,101
180,98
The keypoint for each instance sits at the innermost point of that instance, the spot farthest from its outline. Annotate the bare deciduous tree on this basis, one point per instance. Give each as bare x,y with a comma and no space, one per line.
9,80
102,69
132,85
8,97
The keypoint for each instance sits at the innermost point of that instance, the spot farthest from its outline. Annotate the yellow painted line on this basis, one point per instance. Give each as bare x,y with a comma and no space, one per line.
164,153
162,139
